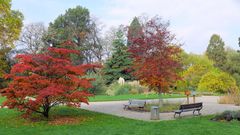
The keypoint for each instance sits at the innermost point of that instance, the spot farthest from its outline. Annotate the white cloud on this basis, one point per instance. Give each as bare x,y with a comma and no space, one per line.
193,21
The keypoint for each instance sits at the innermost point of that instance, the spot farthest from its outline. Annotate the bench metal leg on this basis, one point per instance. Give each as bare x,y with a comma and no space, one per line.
179,115
125,107
199,112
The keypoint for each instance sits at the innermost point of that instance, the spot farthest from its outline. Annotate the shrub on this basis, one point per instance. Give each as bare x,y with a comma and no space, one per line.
127,88
118,89
136,87
227,116
232,98
98,86
227,99
216,81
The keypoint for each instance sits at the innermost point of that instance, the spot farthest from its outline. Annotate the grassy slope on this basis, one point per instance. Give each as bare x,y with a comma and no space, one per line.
126,97
101,124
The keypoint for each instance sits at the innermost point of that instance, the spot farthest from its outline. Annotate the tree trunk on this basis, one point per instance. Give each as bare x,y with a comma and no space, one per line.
46,108
46,112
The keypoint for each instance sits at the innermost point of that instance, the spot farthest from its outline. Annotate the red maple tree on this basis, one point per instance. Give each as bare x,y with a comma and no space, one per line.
155,57
42,81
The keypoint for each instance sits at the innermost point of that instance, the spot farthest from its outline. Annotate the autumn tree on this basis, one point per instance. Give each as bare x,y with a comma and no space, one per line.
216,51
42,81
155,56
119,64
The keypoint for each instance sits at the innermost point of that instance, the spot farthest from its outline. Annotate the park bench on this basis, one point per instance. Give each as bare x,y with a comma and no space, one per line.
136,104
189,107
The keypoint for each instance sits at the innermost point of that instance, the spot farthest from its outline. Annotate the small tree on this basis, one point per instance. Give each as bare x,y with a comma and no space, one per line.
42,81
155,57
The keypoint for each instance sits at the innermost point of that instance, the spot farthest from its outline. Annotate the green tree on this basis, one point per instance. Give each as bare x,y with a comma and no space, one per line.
77,26
195,66
232,65
216,52
134,30
10,28
10,24
119,64
217,81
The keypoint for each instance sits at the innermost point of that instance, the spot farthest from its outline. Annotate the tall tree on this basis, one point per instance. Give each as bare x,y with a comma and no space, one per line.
31,38
77,26
216,52
232,65
107,41
42,81
119,64
10,24
10,28
134,30
156,59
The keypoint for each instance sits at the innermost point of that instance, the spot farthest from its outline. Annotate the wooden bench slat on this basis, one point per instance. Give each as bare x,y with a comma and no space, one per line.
133,103
189,107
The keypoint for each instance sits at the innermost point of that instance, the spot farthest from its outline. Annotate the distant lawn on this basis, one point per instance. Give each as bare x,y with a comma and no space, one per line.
129,96
1,99
123,97
91,123
167,107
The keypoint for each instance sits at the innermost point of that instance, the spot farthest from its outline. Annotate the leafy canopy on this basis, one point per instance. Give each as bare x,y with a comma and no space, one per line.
10,28
10,24
42,81
156,59
216,52
217,81
195,67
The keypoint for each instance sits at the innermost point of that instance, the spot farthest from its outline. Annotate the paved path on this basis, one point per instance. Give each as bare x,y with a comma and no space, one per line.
210,106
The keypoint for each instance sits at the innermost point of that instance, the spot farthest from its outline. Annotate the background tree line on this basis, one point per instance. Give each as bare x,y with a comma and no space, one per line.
112,49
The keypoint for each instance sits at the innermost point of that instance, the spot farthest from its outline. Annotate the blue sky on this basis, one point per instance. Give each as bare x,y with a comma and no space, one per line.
193,21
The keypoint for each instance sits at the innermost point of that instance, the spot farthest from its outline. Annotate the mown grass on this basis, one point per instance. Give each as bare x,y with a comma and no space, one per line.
167,107
96,123
99,98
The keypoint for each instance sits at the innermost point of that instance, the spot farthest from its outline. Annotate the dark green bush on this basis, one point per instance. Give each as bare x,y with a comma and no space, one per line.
99,86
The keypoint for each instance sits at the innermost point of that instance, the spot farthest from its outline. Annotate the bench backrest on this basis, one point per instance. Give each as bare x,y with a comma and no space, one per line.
138,102
190,106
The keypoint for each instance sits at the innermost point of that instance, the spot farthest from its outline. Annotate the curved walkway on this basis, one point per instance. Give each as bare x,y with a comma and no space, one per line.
210,106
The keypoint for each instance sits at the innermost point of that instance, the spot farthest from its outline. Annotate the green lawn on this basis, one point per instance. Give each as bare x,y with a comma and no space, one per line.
1,99
129,96
101,124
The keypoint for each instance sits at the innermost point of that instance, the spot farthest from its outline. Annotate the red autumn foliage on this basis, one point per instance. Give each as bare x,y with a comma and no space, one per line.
155,57
42,81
